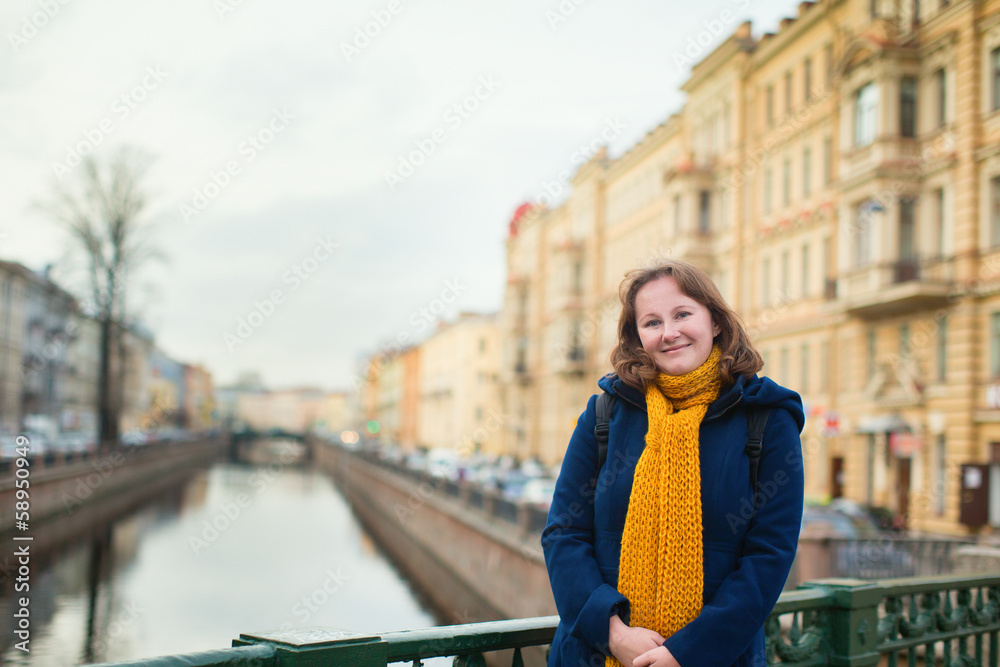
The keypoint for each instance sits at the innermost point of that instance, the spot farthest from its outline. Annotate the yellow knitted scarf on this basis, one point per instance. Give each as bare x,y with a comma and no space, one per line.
661,558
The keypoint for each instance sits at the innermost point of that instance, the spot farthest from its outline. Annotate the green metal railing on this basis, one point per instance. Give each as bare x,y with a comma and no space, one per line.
951,621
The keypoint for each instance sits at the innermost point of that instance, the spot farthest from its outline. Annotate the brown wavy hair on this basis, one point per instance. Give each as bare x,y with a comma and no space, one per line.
634,365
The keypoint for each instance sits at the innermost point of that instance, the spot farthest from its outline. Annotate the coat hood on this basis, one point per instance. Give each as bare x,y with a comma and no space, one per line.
755,391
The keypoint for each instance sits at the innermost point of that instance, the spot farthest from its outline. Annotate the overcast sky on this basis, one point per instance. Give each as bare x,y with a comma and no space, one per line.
312,119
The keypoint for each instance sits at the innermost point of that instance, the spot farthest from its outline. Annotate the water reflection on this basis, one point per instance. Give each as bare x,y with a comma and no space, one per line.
237,549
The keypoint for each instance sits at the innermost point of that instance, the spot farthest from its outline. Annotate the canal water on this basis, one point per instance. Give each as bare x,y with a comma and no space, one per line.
237,549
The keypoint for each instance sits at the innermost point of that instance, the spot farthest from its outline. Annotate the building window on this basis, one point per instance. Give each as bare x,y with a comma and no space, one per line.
785,269
873,9
871,353
995,218
824,369
908,106
770,105
825,260
765,285
482,344
995,75
807,83
805,367
704,200
786,182
784,274
941,479
862,234
941,78
806,170
907,239
725,126
870,468
827,160
788,92
904,339
768,186
713,135
939,228
829,66
805,270
784,364
722,215
942,349
677,214
995,345
865,114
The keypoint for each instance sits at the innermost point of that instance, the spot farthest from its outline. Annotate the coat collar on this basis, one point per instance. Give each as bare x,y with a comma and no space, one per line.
728,397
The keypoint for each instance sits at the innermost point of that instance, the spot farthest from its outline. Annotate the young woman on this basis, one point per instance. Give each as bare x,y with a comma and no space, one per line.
668,558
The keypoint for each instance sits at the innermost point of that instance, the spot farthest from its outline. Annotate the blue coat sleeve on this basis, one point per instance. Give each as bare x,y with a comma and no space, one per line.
584,601
746,597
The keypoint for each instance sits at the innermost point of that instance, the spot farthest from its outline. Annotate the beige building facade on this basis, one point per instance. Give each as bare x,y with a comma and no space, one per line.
840,180
291,410
441,393
14,282
458,404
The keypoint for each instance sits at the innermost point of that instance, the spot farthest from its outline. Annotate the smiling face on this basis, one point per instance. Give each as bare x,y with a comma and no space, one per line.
675,330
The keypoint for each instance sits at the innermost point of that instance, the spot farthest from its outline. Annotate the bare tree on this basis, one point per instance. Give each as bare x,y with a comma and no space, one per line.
99,204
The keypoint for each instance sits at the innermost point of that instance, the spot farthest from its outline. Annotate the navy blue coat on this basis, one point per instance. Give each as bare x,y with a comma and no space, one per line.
747,555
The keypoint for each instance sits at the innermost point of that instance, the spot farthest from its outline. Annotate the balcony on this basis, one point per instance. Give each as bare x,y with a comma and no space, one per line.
521,373
987,405
896,288
830,289
571,360
569,301
886,153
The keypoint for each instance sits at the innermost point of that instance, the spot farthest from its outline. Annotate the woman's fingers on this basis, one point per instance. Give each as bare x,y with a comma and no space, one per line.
647,658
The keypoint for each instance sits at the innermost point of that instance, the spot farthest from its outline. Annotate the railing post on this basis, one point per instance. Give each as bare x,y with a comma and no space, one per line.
312,647
853,614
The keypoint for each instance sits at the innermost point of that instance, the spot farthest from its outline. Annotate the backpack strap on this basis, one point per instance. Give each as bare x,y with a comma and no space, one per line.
756,421
602,429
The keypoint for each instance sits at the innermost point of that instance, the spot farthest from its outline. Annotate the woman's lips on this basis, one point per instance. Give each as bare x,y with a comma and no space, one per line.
676,349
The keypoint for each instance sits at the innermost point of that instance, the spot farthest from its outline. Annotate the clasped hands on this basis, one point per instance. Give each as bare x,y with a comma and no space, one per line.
638,647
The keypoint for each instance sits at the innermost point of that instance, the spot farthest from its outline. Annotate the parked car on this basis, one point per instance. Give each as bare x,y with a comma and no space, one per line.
883,517
73,442
135,438
512,484
443,463
858,548
8,447
37,442
534,468
487,476
416,461
538,492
